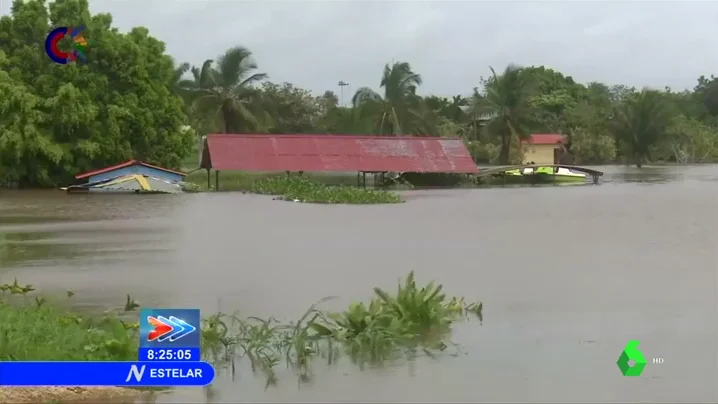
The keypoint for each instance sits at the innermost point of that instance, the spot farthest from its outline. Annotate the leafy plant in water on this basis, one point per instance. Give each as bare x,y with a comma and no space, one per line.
304,190
389,324
382,329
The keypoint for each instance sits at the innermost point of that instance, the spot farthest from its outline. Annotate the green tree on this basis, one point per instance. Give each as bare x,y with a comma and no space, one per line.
398,111
591,147
227,93
57,120
640,122
449,108
554,95
692,141
707,93
506,101
294,109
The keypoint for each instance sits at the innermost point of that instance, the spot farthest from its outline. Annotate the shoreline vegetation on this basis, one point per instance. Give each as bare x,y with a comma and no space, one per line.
414,320
58,121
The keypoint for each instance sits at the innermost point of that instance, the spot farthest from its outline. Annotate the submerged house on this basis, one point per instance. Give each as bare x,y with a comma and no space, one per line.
131,167
544,148
130,176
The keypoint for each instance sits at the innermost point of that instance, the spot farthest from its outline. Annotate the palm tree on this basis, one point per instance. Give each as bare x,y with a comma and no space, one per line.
505,107
640,122
179,72
225,91
398,110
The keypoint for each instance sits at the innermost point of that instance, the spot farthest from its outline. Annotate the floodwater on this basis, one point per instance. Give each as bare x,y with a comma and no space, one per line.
567,275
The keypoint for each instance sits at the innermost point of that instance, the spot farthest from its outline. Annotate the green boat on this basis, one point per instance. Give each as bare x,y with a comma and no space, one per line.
543,175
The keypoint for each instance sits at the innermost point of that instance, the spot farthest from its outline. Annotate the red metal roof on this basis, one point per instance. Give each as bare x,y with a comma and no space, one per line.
123,165
336,153
545,138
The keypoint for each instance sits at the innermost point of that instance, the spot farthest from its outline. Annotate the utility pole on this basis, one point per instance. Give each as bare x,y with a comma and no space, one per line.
341,85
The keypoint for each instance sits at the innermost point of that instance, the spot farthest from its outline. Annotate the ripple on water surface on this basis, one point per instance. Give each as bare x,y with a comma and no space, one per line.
567,275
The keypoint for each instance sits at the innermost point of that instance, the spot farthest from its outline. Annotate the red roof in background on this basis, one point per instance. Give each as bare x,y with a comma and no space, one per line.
123,165
543,138
337,153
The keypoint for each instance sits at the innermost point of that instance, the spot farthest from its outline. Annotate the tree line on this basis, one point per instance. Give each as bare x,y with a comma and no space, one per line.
132,100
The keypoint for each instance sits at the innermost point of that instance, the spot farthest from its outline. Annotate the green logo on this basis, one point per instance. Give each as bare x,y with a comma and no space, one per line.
631,353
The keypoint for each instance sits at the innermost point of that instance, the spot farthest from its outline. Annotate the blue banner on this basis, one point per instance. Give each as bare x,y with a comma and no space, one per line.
122,374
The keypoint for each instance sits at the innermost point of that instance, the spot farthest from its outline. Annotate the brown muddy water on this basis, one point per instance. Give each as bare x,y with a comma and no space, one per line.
567,275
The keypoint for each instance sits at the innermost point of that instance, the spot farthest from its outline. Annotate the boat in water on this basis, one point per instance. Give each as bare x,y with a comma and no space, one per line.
543,175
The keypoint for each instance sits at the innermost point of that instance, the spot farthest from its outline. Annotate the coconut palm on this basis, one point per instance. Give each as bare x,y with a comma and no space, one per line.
640,122
179,72
504,107
397,112
225,91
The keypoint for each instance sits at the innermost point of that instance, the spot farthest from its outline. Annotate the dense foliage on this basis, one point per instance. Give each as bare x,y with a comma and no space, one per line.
131,100
56,120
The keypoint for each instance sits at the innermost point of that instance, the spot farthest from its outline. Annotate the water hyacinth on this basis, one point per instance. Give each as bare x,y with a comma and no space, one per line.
300,189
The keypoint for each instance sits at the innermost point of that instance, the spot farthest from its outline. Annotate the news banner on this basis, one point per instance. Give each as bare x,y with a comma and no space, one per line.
169,355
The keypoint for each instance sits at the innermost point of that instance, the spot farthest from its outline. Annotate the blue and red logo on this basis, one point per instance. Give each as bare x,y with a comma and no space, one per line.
169,328
79,45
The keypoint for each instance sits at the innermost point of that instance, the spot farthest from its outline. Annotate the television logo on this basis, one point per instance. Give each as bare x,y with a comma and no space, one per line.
169,328
136,372
79,50
632,362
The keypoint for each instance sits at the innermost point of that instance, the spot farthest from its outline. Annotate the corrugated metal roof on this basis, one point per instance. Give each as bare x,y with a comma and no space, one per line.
123,165
336,153
546,138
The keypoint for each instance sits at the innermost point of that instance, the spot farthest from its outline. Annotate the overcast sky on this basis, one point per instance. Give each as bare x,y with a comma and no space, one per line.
450,43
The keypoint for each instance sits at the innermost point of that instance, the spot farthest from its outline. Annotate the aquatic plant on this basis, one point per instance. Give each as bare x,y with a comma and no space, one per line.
38,330
414,319
304,190
387,327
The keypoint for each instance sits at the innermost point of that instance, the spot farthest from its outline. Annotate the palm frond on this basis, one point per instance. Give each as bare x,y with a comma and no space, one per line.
363,95
233,65
253,79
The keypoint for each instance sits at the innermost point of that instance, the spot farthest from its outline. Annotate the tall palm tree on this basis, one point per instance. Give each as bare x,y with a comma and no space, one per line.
397,112
505,107
225,91
640,122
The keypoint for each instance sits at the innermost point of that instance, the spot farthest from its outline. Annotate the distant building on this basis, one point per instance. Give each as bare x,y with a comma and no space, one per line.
129,168
544,148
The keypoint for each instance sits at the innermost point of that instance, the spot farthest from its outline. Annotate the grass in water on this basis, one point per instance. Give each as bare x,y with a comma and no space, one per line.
413,320
304,190
35,330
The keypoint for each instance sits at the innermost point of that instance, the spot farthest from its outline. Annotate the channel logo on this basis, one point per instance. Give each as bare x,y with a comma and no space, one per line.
169,328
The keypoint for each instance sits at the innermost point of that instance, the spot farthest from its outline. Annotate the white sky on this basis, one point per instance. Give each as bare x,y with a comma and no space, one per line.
314,44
